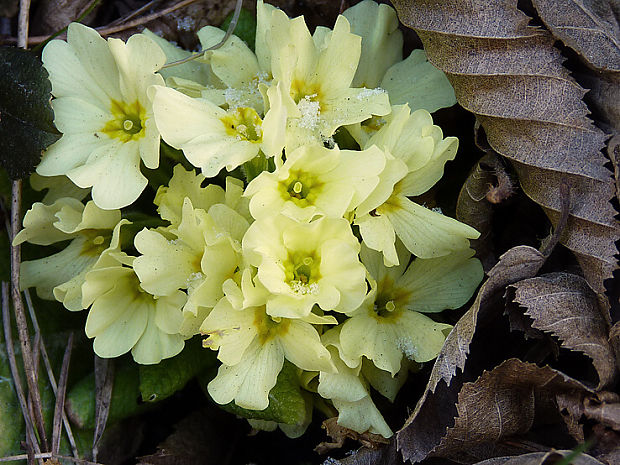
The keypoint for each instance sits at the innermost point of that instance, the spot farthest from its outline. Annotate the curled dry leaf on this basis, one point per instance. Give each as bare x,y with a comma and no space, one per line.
512,78
501,403
541,458
474,209
563,304
340,434
436,409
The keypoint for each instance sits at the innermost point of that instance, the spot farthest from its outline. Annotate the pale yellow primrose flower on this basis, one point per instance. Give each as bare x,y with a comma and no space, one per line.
413,81
102,110
349,392
212,138
419,155
188,184
252,345
57,188
314,181
61,275
238,77
306,264
387,325
205,251
123,317
316,75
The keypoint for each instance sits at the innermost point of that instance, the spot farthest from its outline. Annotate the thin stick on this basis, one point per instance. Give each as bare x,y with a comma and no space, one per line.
60,397
50,372
22,23
144,19
18,306
107,30
134,13
17,382
229,31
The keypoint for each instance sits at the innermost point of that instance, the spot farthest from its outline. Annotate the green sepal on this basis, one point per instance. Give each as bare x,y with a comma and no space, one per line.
26,116
157,382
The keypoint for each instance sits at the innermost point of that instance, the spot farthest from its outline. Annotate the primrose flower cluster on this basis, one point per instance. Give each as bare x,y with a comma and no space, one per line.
285,229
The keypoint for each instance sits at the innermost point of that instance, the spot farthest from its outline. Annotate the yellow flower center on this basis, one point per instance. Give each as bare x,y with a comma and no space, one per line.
269,327
95,243
303,272
390,300
127,121
301,90
302,188
244,124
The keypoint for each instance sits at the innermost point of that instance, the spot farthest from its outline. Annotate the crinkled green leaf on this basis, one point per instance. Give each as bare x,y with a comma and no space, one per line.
125,398
246,27
26,116
160,381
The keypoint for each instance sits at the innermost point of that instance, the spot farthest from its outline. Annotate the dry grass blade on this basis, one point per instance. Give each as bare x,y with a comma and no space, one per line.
60,397
104,382
50,373
8,339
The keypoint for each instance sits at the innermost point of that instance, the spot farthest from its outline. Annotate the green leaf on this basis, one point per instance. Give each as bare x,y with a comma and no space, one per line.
246,27
26,116
160,381
125,398
286,402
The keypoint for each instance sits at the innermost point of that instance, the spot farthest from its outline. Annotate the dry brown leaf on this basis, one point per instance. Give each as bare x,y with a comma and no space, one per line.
501,403
587,26
512,78
564,305
384,456
436,409
541,458
206,436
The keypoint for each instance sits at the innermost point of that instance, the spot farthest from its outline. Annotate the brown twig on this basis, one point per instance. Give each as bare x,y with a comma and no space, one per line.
18,306
17,382
134,13
107,30
60,397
